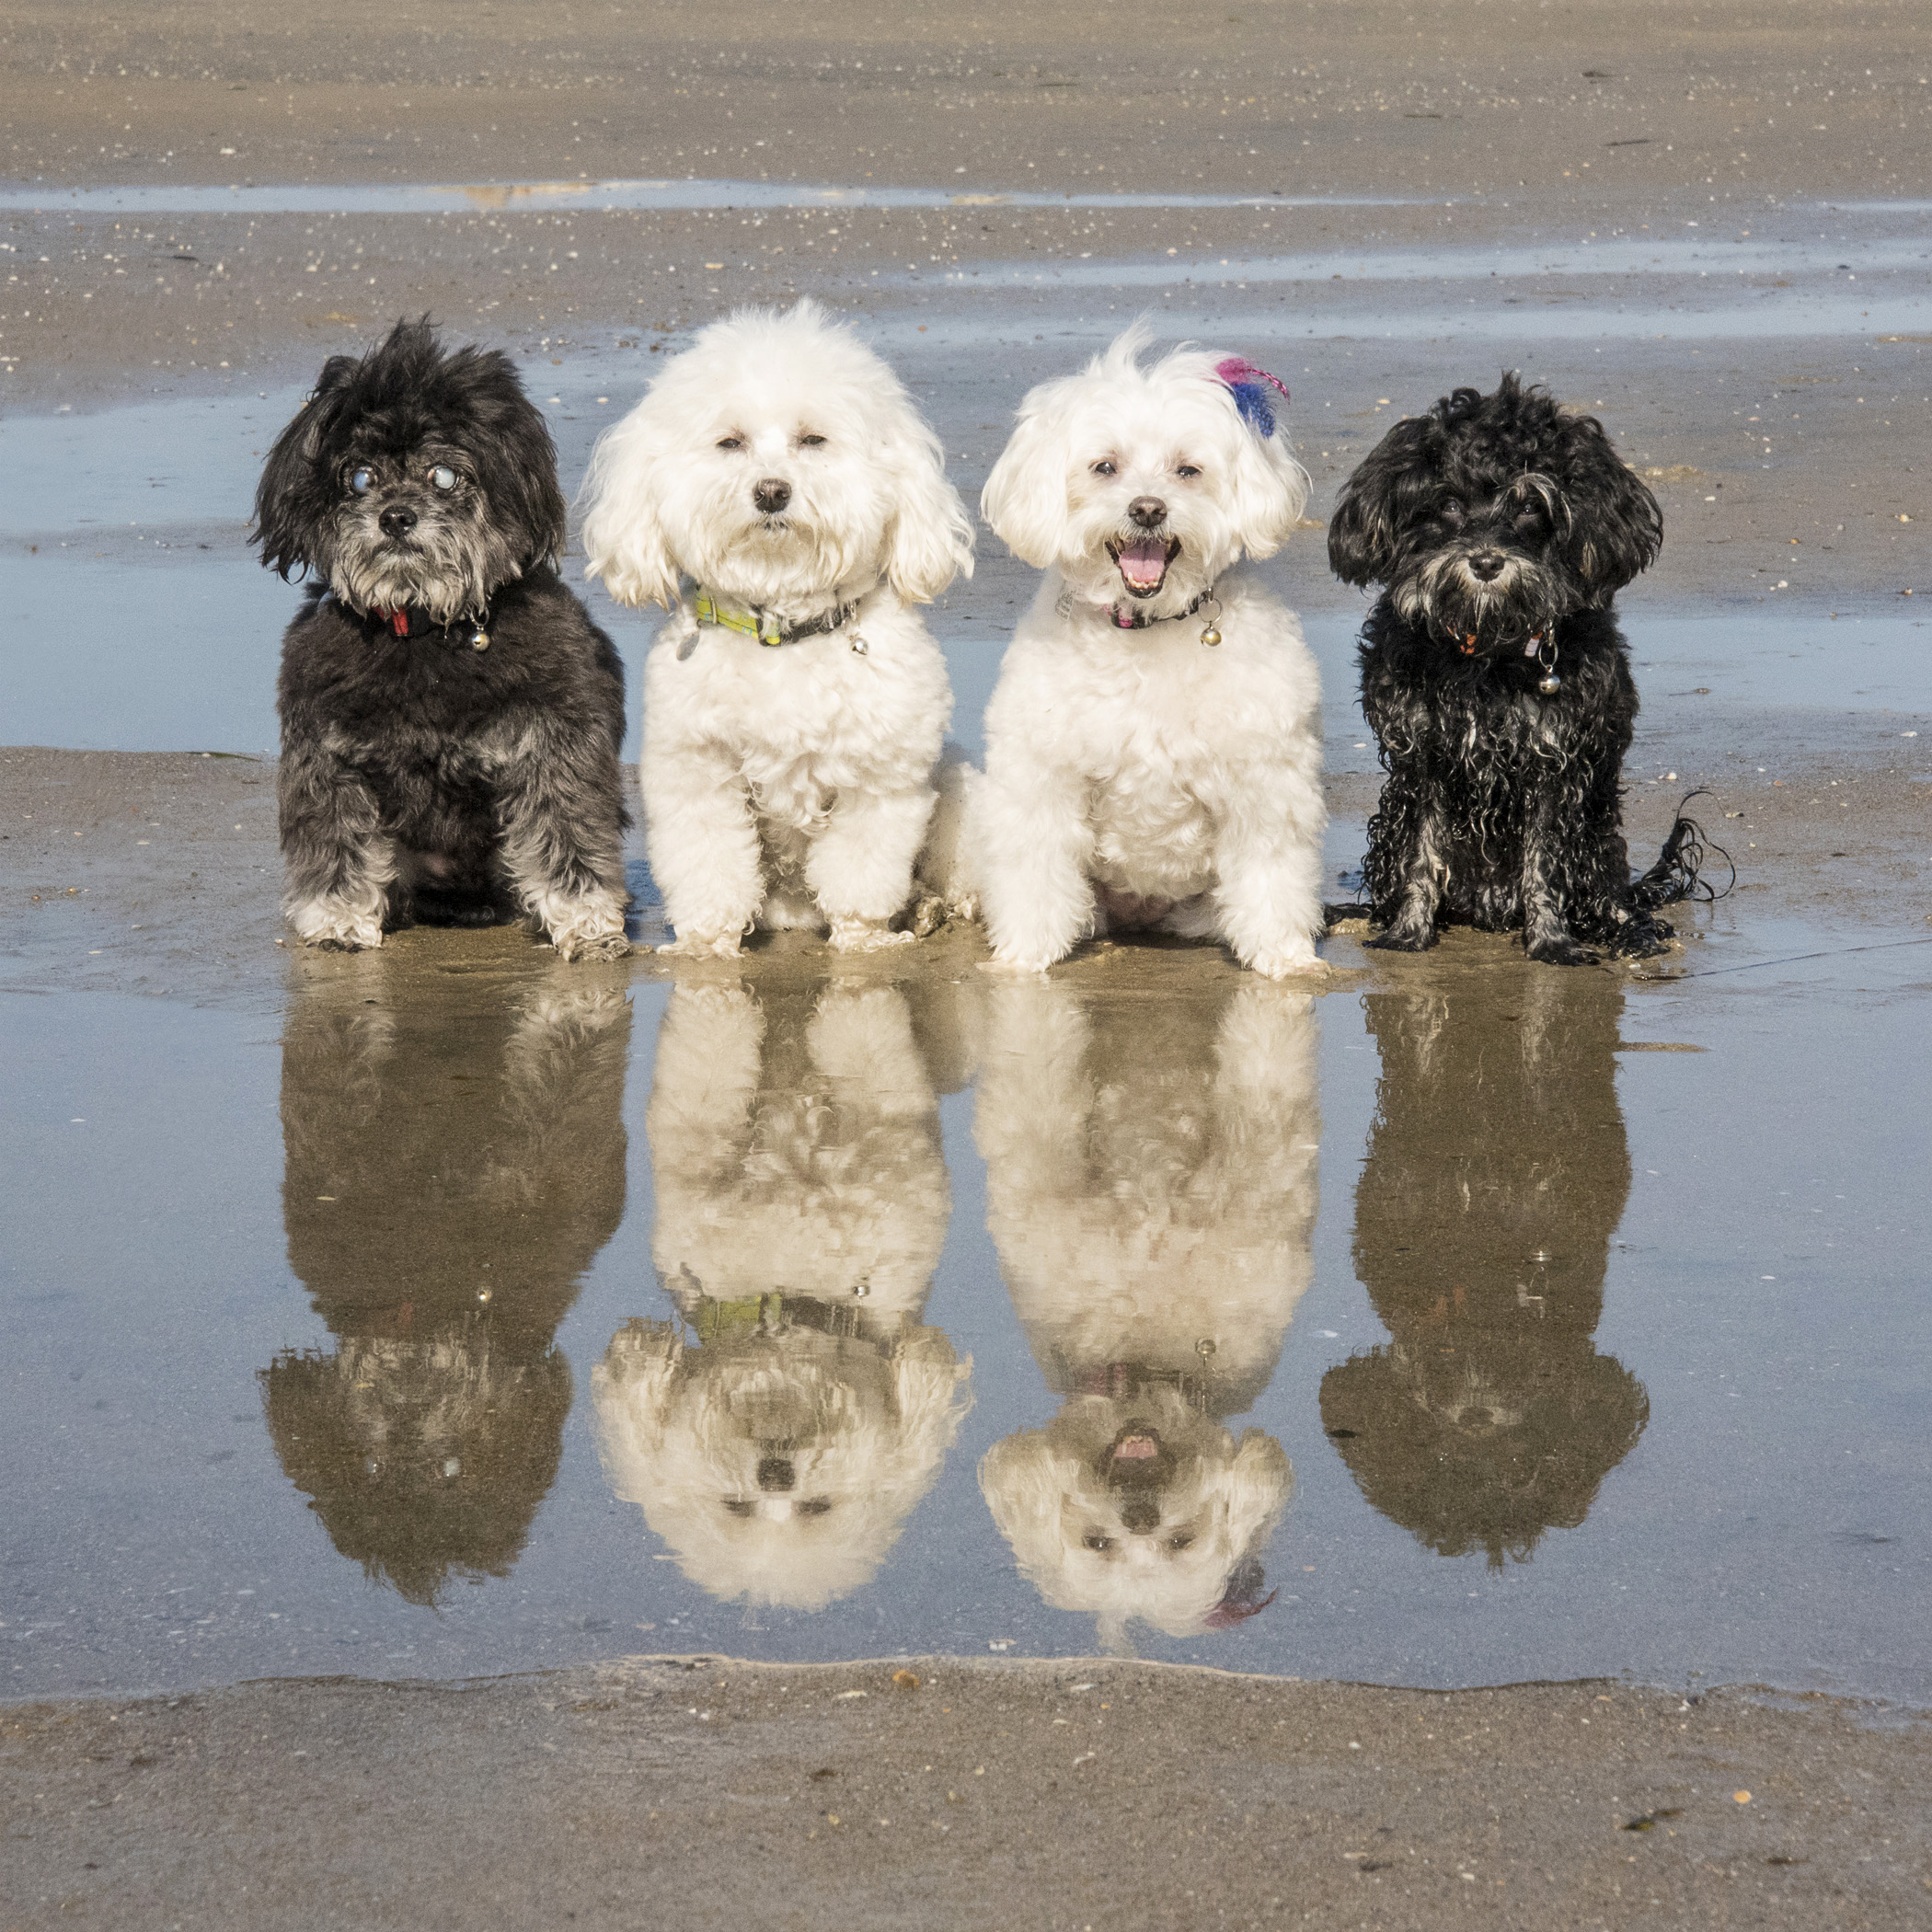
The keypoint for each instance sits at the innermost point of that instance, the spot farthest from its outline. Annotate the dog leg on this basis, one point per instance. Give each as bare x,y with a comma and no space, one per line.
703,846
1546,929
563,846
340,862
1418,867
862,1038
1268,859
1033,843
860,867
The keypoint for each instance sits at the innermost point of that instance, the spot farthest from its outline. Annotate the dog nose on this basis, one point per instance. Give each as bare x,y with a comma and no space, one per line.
1140,1517
1149,512
776,1473
396,520
771,494
1486,564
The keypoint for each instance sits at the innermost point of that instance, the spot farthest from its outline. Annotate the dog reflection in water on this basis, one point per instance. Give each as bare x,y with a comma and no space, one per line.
1496,1175
779,1429
1151,1181
454,1160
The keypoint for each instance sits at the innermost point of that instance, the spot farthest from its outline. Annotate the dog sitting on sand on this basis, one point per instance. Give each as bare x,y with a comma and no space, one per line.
794,703
1154,744
450,718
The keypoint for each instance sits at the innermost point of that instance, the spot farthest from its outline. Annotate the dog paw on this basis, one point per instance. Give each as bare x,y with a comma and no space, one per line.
1403,938
1289,966
929,913
1561,952
702,946
595,946
867,936
1008,966
337,929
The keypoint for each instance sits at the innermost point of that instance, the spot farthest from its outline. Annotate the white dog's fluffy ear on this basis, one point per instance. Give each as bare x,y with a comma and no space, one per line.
930,540
1268,490
1025,499
622,527
1255,1487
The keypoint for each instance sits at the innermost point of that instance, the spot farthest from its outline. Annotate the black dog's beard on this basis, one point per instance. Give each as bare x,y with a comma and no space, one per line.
445,567
1439,593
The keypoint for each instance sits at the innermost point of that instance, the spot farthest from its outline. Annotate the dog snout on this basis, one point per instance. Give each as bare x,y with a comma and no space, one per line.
1486,564
1139,1516
1149,512
771,494
776,1475
398,520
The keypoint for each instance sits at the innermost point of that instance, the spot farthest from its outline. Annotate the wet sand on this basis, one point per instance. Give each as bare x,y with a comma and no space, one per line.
1208,1796
702,1792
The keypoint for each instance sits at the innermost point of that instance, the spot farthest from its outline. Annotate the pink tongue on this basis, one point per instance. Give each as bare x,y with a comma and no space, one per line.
1144,562
1136,1448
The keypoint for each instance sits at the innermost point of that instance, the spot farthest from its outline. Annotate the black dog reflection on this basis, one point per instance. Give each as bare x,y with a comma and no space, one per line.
1496,1175
455,1161
1151,1183
780,1430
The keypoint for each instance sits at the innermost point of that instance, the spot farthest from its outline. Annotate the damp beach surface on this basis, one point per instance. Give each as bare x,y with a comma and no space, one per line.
1274,1429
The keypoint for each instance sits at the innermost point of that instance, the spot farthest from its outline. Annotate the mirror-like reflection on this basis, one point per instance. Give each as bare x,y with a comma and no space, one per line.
454,1160
1152,1183
1496,1176
779,1428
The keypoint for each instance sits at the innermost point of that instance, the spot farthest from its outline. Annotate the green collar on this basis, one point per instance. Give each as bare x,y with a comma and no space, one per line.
765,627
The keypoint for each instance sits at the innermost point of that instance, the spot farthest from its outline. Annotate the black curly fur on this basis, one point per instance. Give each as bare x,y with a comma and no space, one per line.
467,770
1501,527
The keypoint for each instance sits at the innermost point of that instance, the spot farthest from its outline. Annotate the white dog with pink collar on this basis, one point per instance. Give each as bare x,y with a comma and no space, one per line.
1153,745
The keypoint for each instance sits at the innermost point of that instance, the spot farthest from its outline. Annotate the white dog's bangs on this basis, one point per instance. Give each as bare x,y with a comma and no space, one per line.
878,503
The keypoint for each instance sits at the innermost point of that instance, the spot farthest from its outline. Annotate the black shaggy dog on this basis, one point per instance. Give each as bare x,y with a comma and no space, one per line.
450,718
1496,680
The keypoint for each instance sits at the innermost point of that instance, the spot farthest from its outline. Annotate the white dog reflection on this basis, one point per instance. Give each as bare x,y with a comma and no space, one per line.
1151,1185
779,1433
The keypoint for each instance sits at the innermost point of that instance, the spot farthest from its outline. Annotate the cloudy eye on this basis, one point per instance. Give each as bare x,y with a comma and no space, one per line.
1188,469
1104,468
730,443
1453,511
812,442
362,480
443,478
1093,1539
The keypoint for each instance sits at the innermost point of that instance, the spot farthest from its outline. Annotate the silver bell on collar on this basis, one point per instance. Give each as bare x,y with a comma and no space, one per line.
1209,629
1549,684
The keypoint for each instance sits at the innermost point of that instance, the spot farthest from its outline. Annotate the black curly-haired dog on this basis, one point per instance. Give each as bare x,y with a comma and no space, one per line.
450,718
1496,680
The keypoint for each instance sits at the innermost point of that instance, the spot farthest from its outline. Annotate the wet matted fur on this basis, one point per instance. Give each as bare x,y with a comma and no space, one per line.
1495,678
450,718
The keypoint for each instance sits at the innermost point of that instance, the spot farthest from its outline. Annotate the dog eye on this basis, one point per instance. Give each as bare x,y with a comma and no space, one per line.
812,442
1452,511
362,481
1093,1539
1104,468
814,1506
730,443
1187,469
1183,1539
737,1506
443,477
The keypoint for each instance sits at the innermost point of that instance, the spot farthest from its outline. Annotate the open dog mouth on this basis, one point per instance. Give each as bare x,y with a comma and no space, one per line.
1143,562
1137,1459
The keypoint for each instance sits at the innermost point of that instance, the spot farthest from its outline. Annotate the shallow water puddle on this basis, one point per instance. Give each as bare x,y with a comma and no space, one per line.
1472,1329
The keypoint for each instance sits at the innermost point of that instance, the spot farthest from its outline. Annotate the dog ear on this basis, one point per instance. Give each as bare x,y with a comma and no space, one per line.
624,541
930,539
1270,492
1617,528
1257,1487
1364,524
1025,498
291,499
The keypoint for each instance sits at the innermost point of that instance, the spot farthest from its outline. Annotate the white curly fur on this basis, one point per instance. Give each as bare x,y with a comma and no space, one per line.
1151,1187
786,786
796,1153
1142,776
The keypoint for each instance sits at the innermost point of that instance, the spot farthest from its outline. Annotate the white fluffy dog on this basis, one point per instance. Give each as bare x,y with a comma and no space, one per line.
1151,1187
779,1433
1153,745
794,703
